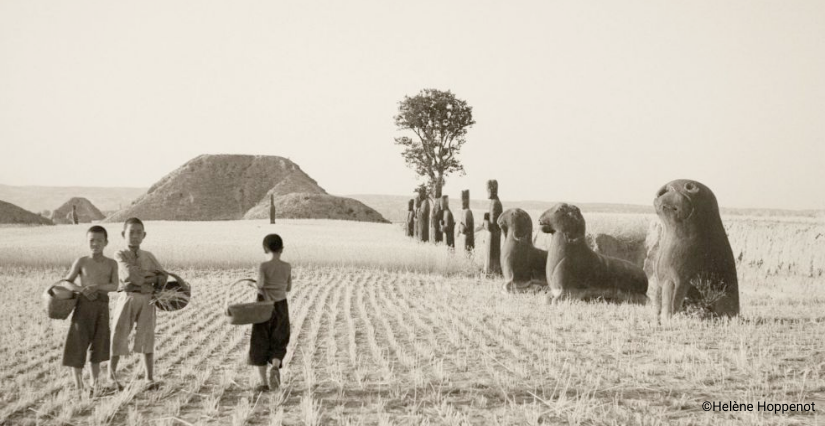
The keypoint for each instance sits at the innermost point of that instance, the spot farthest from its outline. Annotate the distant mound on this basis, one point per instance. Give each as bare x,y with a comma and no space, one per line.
227,187
9,213
303,205
86,211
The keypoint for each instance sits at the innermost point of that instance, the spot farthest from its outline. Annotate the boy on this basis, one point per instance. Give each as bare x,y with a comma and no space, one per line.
89,329
269,339
139,273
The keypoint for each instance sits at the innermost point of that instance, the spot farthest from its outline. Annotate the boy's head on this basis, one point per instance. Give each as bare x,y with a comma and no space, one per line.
133,232
98,239
273,244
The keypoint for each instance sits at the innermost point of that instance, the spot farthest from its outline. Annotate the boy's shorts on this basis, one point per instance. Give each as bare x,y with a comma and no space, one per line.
134,309
88,333
269,339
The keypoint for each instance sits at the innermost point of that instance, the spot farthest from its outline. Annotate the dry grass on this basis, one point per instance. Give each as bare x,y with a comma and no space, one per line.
382,340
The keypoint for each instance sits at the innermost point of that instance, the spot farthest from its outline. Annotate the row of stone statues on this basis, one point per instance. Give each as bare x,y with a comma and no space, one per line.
692,259
428,220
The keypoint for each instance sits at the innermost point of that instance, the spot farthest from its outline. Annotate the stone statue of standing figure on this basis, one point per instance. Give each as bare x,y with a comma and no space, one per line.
416,207
492,262
423,217
467,226
410,222
272,209
447,223
436,236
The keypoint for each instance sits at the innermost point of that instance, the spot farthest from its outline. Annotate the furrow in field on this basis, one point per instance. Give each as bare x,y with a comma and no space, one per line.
424,349
457,333
376,353
325,362
386,336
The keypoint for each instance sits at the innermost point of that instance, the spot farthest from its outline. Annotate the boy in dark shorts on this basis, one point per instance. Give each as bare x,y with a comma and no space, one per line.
89,329
139,273
269,339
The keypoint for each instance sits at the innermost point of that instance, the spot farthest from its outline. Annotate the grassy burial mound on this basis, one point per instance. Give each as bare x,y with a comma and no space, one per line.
86,211
229,187
11,214
304,205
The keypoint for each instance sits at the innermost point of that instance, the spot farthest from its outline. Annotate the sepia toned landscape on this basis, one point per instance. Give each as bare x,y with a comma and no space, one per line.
389,331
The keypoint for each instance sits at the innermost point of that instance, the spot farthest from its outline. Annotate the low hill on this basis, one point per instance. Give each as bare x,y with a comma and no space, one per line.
227,187
40,198
86,211
11,214
303,205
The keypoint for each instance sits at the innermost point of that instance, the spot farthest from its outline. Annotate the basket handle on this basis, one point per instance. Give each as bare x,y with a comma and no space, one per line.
231,286
179,279
55,284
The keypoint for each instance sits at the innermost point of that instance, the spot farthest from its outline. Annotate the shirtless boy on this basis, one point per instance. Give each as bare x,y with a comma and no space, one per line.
89,329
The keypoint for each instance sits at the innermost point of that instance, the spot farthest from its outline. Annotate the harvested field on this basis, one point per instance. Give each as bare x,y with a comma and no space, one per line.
387,331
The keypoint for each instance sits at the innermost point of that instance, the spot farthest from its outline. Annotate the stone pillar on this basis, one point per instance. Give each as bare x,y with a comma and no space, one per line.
447,222
436,235
74,214
467,225
423,218
492,262
272,209
410,221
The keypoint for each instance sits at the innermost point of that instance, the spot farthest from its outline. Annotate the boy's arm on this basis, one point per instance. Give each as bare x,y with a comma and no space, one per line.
72,275
261,278
128,269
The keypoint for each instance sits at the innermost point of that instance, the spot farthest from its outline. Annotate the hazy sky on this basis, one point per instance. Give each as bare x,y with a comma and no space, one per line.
591,101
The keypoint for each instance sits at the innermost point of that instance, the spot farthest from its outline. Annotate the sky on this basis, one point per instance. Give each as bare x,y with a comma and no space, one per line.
578,101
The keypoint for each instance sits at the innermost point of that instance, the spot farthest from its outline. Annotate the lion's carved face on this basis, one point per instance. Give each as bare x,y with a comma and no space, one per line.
683,199
518,222
564,218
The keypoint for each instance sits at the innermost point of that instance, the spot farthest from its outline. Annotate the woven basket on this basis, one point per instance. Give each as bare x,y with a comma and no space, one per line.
173,296
56,304
247,313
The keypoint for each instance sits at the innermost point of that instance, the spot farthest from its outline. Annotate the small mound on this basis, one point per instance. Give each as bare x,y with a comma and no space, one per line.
86,211
11,214
305,205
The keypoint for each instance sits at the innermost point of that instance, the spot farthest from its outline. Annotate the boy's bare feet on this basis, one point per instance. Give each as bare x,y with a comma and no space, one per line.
152,385
261,388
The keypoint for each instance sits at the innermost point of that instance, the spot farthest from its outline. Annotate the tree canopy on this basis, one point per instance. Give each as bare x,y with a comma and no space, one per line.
440,122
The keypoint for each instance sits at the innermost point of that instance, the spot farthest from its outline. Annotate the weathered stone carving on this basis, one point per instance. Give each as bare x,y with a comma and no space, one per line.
492,262
466,226
694,262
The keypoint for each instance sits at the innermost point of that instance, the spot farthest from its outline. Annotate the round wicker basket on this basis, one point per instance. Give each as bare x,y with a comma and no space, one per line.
172,296
246,313
59,301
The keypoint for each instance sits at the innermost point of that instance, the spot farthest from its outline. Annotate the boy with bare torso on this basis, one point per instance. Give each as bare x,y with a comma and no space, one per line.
89,328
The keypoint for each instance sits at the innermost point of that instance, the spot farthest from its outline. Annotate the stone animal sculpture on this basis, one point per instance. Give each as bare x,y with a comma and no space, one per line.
447,223
522,263
492,262
423,218
436,235
466,226
409,230
694,258
574,270
272,209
